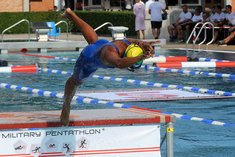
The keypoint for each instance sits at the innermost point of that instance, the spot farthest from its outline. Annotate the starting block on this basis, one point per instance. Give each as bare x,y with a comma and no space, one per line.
133,132
118,32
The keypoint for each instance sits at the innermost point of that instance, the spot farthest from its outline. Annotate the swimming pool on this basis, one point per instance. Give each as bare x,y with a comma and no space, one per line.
194,139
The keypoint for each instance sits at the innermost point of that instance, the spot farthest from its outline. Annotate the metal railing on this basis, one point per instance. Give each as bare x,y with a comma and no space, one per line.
104,24
195,36
23,20
193,32
67,26
213,31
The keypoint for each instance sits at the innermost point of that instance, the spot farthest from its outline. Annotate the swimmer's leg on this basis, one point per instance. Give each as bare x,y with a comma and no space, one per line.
87,31
70,90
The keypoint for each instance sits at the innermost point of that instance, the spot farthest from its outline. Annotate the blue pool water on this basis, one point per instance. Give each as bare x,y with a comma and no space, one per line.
191,139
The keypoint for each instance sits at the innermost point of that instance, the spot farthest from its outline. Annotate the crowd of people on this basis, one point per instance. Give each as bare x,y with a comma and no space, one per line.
223,20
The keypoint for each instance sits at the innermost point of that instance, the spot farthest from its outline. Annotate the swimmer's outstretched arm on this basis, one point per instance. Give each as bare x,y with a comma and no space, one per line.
87,31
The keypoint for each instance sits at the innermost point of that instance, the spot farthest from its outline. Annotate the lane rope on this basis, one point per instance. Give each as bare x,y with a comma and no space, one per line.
200,59
150,84
86,100
190,72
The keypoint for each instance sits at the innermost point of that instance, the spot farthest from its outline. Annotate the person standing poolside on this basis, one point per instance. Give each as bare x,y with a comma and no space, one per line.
155,11
139,11
100,53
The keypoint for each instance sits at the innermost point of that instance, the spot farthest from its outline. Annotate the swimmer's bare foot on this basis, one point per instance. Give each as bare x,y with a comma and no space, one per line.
66,13
64,117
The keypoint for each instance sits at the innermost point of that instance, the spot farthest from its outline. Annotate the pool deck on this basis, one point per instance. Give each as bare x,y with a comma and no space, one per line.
77,40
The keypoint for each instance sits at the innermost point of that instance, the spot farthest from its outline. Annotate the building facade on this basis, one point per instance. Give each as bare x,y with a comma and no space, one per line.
47,5
26,5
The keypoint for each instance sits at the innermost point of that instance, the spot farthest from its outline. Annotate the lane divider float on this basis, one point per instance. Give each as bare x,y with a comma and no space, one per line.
46,56
160,59
19,69
86,100
195,65
191,72
163,59
211,60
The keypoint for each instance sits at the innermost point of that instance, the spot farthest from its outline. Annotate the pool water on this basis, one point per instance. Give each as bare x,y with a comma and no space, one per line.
191,139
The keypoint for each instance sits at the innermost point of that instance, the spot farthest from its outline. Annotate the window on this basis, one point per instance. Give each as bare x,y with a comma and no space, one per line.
114,3
85,2
191,2
171,2
96,2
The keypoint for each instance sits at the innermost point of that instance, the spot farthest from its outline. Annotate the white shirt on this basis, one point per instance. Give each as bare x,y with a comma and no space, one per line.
212,17
197,18
147,4
185,16
156,10
219,17
231,18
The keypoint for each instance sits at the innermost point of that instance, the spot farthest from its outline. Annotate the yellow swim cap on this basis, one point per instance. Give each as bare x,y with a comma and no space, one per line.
134,50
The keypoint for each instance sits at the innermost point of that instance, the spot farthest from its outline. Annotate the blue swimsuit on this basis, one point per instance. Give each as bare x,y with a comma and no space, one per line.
89,60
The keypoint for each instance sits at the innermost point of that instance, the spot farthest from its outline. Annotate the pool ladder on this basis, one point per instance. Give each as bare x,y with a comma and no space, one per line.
104,24
67,27
17,23
195,36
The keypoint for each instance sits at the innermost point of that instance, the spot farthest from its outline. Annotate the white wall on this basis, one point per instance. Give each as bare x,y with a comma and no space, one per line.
59,3
228,2
25,5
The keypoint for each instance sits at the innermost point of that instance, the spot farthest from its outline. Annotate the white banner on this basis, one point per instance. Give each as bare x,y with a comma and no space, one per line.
111,141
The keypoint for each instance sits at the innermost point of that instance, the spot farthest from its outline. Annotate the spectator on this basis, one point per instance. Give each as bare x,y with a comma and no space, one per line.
230,21
227,39
197,17
79,5
147,4
139,11
155,11
230,17
176,30
205,16
212,14
219,16
218,21
55,8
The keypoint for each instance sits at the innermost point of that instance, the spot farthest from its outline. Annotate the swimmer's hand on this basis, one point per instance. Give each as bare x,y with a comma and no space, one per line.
146,55
148,49
66,13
